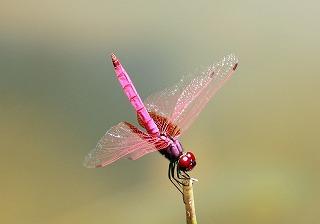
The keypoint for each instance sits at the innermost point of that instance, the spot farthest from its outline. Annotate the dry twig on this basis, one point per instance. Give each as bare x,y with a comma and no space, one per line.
189,201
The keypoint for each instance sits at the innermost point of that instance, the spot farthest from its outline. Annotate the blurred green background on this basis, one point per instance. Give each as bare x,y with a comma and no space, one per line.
257,142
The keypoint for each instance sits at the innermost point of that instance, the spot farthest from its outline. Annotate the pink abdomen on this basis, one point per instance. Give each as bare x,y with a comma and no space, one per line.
134,97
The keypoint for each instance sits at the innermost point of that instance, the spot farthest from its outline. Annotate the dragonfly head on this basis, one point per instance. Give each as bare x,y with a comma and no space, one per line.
187,161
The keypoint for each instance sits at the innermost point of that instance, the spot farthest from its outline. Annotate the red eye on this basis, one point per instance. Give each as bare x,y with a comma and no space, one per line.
187,161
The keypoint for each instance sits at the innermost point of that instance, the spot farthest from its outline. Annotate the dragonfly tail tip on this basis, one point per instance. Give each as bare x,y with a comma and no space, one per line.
115,60
113,56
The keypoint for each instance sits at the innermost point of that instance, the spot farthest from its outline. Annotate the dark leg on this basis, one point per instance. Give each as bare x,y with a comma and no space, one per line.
186,174
177,178
182,176
181,183
171,175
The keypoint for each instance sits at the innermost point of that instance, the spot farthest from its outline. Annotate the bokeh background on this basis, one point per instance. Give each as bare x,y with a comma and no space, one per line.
257,142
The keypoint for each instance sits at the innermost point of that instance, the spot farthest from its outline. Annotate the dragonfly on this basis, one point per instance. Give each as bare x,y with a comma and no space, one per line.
165,116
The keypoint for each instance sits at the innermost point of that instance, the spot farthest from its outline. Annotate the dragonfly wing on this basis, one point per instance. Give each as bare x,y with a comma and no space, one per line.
120,141
158,143
164,102
183,102
201,89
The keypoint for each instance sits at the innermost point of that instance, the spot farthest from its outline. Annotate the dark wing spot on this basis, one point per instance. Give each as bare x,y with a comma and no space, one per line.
235,67
211,74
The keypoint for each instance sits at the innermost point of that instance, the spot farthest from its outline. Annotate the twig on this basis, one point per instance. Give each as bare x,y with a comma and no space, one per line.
189,201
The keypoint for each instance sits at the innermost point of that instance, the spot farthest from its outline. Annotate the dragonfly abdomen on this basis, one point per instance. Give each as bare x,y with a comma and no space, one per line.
134,97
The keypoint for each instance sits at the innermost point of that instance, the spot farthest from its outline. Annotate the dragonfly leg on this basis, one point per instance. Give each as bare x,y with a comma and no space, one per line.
171,176
183,175
178,178
188,177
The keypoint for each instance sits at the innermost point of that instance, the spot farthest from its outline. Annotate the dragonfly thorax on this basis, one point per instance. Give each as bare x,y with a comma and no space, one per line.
174,150
186,161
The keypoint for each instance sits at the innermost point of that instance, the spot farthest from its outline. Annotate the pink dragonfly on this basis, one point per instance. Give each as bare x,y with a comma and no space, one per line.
165,116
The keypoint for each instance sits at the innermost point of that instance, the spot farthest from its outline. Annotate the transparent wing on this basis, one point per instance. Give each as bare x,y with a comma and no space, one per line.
164,102
183,102
120,141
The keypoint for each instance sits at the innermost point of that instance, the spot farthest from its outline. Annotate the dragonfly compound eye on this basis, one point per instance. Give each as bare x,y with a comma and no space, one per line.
187,161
